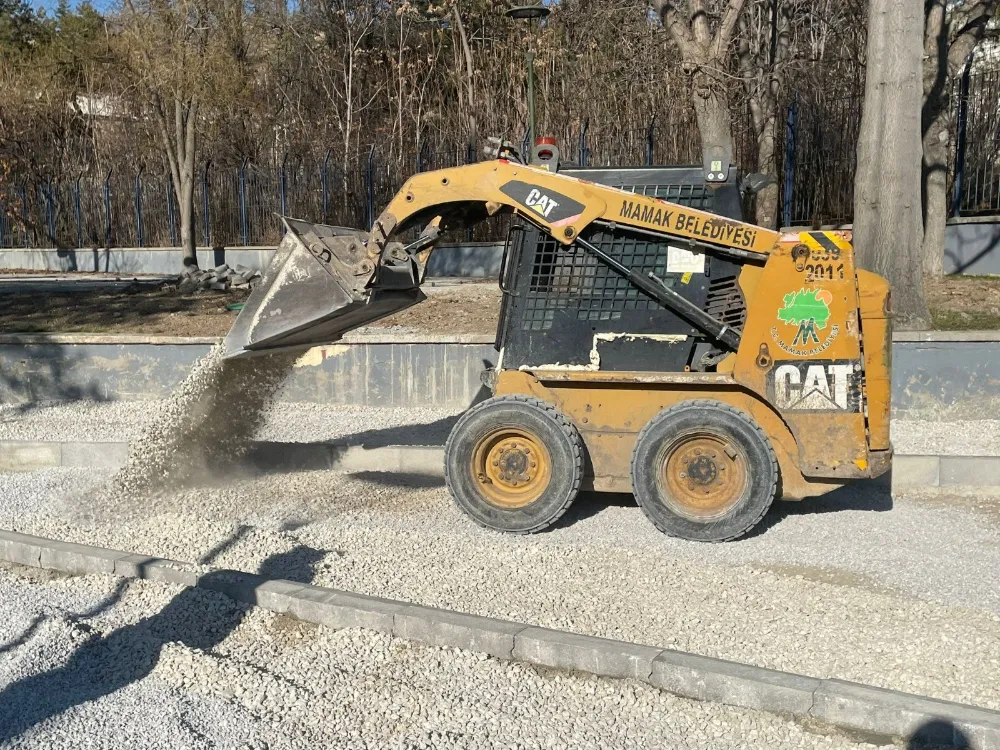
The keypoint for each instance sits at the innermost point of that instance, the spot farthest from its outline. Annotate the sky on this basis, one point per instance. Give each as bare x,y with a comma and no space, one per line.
50,5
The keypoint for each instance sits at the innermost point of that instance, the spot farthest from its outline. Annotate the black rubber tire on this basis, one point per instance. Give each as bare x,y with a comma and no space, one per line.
561,439
725,420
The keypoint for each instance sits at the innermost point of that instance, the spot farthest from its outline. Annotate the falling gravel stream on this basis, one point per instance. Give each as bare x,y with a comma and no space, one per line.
206,427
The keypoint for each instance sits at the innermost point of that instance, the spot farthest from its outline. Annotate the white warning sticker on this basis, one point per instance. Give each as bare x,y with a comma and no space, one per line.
680,260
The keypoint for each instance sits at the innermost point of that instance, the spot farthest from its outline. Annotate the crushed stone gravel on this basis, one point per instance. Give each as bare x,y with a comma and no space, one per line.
301,422
93,662
856,585
971,437
288,422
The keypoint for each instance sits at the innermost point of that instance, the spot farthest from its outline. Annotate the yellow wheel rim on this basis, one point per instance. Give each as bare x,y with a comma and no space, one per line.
511,467
702,476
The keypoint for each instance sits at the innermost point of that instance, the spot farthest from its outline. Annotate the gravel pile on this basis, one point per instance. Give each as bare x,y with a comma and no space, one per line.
295,422
854,586
90,663
972,437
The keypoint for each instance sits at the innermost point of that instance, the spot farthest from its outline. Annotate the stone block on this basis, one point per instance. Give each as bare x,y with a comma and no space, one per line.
584,653
706,679
441,627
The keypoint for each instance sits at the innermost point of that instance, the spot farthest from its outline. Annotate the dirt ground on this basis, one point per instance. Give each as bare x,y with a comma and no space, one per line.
469,308
959,303
965,303
134,309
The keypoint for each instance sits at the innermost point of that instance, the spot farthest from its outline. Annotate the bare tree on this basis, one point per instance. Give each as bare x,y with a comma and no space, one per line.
951,32
704,39
763,49
177,54
888,231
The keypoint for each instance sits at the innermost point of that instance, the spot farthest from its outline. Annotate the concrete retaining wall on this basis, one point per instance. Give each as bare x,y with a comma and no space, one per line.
472,259
371,371
972,246
935,374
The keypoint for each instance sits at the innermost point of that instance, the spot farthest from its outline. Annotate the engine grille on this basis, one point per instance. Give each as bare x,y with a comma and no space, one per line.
725,302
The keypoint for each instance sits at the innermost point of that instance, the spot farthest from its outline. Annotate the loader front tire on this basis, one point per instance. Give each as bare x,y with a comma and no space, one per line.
513,464
704,470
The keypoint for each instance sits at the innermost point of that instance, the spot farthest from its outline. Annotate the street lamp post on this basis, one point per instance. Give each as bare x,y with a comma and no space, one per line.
529,13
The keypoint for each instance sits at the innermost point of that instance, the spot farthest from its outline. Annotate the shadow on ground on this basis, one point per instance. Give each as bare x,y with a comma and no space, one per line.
938,733
105,664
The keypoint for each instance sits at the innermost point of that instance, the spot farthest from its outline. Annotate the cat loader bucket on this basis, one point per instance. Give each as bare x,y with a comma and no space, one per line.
320,285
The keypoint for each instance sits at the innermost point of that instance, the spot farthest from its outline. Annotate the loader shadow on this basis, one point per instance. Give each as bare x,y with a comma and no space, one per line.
410,480
106,664
428,433
867,496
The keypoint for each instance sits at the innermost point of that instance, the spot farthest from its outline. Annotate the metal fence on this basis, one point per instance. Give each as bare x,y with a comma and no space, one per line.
239,204
819,157
976,176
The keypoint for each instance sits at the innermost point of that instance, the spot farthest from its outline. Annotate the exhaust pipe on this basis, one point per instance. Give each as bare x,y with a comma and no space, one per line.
319,285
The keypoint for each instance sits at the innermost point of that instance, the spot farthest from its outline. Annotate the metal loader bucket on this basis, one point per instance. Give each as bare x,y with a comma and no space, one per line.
315,290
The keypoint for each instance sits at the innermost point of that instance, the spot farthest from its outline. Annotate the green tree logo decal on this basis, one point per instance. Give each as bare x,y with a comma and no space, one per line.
805,305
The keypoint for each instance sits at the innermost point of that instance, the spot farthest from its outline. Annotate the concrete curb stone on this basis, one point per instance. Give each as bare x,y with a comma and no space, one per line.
441,627
831,702
584,653
708,679
891,713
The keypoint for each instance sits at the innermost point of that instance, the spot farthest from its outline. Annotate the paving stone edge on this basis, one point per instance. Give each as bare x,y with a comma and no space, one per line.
844,705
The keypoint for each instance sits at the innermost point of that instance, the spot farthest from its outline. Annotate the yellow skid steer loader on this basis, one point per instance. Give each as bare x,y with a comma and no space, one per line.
646,344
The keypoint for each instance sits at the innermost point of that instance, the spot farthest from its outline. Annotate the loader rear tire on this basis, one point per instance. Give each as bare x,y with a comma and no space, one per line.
514,464
704,470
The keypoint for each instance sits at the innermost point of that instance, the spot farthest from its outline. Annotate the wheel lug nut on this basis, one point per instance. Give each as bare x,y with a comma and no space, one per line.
683,475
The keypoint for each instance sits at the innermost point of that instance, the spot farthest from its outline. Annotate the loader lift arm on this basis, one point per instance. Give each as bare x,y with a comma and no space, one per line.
374,276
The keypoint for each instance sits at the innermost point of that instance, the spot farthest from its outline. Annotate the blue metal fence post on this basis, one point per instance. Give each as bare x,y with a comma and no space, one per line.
370,183
79,214
470,157
243,201
583,142
170,209
107,209
649,142
138,206
791,130
324,176
50,218
283,188
24,214
960,140
204,201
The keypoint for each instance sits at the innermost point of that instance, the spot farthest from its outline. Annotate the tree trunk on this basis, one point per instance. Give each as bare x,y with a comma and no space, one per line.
935,189
888,226
766,214
711,108
185,205
179,144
